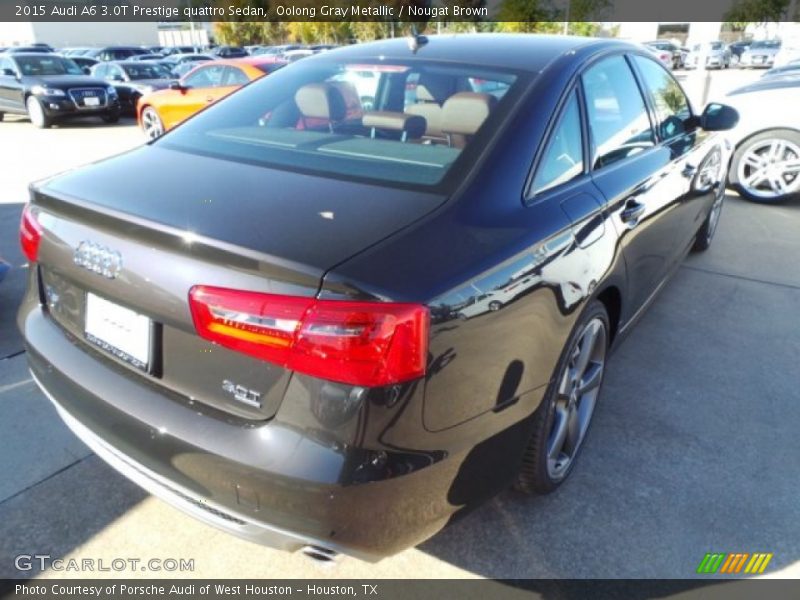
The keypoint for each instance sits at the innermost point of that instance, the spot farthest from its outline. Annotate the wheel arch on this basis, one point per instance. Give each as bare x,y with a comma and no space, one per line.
611,298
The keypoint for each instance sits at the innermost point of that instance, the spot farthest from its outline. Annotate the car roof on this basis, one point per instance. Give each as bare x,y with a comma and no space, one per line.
524,52
41,54
787,80
268,59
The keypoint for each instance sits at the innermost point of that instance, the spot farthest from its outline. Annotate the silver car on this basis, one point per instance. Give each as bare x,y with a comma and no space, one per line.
709,55
760,54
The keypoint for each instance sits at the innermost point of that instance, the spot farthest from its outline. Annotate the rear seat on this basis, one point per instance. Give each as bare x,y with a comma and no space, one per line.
432,92
408,127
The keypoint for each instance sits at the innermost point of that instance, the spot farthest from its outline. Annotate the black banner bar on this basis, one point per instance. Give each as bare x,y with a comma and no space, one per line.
423,11
605,589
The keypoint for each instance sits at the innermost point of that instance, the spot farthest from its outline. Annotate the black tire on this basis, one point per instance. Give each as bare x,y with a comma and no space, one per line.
36,113
2,116
494,306
534,476
749,144
705,235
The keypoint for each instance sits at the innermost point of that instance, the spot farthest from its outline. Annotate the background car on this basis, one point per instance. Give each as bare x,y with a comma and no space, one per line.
160,111
26,50
50,88
138,57
180,64
170,50
709,55
295,55
276,49
75,51
766,163
115,52
676,52
84,62
229,52
134,79
760,55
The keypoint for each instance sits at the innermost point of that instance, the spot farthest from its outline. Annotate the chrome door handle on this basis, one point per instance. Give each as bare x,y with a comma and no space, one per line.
633,211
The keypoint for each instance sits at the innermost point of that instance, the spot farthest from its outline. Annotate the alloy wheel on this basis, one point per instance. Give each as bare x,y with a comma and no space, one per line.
770,168
576,398
151,124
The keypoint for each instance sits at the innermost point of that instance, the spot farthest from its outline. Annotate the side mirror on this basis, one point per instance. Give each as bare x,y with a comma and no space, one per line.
86,71
117,78
9,73
178,87
719,117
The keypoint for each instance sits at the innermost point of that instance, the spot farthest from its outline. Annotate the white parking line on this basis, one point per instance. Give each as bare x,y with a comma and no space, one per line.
13,386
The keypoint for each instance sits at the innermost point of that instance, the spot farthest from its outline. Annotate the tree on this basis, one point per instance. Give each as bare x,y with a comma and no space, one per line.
760,11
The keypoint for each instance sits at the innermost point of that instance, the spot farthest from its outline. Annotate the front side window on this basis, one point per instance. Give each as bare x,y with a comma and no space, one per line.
353,120
563,159
672,107
618,118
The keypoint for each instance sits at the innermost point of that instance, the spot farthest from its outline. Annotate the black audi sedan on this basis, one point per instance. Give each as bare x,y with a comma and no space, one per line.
51,88
331,327
134,79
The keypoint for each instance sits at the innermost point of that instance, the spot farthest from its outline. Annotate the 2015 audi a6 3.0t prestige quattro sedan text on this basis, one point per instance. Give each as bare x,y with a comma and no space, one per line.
287,328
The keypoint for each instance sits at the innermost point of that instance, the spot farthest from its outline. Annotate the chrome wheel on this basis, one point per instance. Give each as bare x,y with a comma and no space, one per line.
577,394
770,169
151,124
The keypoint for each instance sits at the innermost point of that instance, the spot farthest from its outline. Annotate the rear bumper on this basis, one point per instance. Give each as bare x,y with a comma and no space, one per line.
268,482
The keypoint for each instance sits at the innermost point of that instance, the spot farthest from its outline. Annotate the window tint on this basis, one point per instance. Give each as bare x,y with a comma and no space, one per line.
206,77
563,159
236,77
618,118
672,107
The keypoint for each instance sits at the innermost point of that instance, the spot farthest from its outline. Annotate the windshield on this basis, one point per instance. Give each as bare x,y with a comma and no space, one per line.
391,122
145,71
38,66
766,44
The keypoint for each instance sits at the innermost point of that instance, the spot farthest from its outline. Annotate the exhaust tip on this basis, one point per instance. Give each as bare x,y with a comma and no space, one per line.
320,554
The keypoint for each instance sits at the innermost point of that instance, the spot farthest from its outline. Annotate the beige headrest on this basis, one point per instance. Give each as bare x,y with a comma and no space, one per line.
412,125
434,88
465,112
321,101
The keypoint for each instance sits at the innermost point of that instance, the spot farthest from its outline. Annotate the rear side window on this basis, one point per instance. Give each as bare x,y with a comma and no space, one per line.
563,159
618,118
236,77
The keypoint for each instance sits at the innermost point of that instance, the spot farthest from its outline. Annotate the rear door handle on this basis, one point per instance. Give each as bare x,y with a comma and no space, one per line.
633,211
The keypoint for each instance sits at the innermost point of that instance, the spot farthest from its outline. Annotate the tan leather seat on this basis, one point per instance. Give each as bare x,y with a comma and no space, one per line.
321,102
463,114
432,92
409,127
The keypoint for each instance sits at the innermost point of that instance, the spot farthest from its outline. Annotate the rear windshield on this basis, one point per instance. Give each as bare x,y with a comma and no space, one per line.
391,122
766,44
147,71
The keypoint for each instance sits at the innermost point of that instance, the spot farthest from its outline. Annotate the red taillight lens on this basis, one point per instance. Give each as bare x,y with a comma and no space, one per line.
361,343
30,234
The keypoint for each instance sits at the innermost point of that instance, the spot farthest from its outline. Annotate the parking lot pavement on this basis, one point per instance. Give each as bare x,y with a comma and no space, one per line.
693,448
28,154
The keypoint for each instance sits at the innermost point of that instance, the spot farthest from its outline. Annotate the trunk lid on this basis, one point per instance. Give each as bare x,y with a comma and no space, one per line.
164,221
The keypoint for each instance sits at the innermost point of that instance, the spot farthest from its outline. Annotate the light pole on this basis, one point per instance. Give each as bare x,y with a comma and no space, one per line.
566,19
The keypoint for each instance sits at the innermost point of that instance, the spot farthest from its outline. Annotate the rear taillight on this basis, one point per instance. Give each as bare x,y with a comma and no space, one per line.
360,343
30,234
